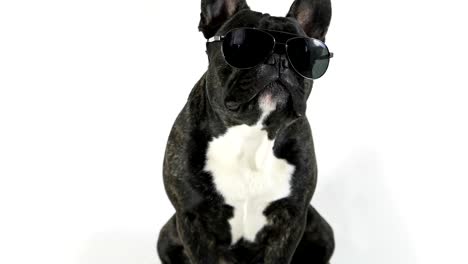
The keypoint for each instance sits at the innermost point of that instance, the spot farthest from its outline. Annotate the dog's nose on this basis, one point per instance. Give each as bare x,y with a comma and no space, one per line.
231,105
272,59
278,59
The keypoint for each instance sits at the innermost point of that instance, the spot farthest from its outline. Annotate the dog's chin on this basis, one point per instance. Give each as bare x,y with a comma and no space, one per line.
274,96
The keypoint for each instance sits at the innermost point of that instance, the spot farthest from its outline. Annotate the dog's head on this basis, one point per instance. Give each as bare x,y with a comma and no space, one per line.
236,92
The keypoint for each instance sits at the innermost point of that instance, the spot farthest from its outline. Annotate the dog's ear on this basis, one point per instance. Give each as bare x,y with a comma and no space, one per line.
215,12
313,15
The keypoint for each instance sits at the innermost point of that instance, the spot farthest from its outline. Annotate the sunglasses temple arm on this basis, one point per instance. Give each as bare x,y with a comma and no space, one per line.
215,39
326,57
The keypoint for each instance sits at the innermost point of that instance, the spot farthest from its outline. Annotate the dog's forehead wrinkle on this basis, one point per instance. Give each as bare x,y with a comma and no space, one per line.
245,18
265,21
279,24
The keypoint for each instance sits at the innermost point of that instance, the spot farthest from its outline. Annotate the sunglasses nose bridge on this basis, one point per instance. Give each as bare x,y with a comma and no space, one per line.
280,48
278,52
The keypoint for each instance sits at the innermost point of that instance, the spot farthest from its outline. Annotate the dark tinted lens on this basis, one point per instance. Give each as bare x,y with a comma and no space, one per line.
246,48
309,57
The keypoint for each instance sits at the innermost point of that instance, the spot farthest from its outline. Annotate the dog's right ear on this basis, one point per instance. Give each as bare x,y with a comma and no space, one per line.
313,16
215,12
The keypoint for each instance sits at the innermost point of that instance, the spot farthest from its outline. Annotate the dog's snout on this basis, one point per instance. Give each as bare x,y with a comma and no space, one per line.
284,62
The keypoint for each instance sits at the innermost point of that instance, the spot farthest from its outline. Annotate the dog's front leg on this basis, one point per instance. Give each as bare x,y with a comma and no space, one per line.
199,244
287,224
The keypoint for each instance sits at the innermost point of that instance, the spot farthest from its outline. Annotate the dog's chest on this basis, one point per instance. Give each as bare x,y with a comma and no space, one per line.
248,175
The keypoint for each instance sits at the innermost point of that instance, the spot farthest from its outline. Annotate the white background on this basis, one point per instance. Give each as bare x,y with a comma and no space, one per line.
89,90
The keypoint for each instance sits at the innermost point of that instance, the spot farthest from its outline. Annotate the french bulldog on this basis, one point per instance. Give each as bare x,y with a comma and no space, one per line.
239,166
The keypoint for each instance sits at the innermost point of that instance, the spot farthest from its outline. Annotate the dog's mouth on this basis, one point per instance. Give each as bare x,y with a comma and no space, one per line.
273,94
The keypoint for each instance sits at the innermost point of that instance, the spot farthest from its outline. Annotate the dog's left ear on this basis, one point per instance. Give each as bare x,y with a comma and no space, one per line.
313,15
215,12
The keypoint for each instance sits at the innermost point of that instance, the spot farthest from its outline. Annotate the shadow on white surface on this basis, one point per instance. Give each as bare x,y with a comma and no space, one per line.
120,248
355,200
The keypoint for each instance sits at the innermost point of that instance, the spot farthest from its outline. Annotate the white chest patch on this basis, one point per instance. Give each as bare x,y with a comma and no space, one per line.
247,174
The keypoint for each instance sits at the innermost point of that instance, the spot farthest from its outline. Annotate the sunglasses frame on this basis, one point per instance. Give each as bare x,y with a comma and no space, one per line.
220,38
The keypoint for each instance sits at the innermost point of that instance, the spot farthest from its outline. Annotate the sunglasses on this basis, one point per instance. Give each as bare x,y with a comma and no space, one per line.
245,48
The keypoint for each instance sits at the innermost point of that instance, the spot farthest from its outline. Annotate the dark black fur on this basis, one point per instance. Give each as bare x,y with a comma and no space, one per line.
199,232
